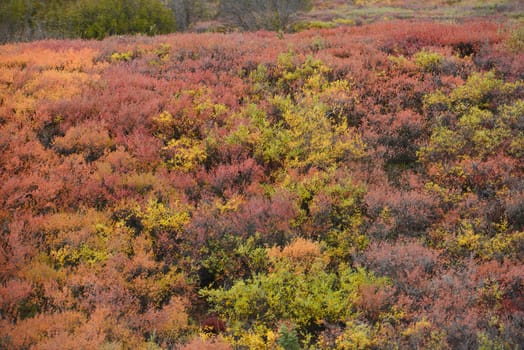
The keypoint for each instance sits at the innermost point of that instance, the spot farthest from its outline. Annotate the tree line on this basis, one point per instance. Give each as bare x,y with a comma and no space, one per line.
26,20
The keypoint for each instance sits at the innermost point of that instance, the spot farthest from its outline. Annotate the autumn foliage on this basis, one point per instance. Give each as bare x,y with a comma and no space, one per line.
351,188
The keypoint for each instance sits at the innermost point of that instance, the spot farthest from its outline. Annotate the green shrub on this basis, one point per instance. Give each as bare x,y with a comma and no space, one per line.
287,338
300,26
306,294
92,19
428,61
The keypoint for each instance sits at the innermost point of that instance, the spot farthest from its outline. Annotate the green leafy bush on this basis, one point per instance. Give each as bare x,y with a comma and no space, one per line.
296,288
97,19
428,61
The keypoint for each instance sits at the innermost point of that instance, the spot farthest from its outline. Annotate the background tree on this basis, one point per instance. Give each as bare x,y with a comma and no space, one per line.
187,12
256,14
23,20
98,19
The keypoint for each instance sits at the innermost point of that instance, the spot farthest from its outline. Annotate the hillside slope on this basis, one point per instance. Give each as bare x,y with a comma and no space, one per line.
352,188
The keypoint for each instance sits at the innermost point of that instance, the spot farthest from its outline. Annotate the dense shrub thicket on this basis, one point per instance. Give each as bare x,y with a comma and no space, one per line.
350,188
22,20
26,20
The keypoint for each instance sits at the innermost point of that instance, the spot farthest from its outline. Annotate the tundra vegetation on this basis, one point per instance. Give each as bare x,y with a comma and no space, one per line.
354,187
